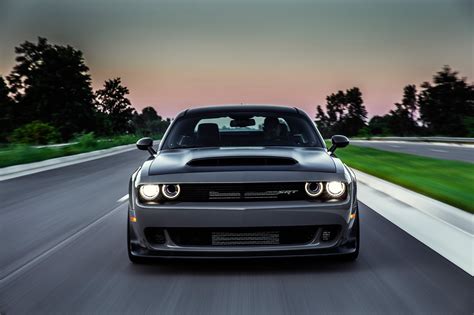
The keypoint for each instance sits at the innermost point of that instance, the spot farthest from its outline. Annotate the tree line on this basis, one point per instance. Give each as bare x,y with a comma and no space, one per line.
444,107
48,97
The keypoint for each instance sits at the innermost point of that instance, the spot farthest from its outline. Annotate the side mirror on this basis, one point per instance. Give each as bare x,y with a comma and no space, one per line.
146,144
338,141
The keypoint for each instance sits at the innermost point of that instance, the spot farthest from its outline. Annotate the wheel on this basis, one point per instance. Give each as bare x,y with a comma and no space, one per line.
134,259
356,230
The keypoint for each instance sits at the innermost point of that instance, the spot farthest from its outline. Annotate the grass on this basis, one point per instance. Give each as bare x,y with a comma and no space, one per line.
451,182
21,154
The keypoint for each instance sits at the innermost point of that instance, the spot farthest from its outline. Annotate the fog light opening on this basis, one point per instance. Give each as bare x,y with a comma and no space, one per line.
159,238
155,236
328,234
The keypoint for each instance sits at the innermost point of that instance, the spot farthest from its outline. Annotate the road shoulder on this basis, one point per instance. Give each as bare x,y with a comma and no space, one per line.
445,229
36,167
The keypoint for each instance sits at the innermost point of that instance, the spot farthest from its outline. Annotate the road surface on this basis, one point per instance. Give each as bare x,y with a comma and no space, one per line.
446,152
63,240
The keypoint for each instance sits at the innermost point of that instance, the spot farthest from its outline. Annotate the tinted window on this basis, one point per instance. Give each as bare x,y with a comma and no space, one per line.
242,129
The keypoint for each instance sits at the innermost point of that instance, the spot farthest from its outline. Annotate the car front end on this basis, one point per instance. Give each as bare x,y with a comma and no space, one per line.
229,202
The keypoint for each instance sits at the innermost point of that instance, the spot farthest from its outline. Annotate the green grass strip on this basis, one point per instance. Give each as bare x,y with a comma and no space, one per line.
451,182
21,154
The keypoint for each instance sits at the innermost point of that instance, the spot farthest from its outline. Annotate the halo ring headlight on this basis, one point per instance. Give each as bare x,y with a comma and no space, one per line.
335,189
313,189
149,192
171,191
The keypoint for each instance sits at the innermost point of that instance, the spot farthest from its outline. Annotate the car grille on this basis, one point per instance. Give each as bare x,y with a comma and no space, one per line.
242,192
242,236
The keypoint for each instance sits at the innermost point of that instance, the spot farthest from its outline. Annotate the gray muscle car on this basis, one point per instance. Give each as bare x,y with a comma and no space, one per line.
242,181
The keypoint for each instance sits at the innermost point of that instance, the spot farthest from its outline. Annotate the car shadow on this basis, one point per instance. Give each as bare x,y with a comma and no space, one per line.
289,265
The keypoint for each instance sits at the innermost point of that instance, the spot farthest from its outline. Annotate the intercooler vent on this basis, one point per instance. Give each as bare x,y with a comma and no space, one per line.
249,238
243,161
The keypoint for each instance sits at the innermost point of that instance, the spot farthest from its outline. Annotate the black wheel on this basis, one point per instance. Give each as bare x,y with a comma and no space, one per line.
356,232
134,259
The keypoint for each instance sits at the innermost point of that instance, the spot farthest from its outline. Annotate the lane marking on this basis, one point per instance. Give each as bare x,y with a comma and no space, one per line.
123,198
61,244
436,150
394,146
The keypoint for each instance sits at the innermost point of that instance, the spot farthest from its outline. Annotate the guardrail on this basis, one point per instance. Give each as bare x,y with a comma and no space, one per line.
422,139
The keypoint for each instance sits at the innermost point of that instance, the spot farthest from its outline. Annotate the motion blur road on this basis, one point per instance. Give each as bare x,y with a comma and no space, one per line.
63,249
439,151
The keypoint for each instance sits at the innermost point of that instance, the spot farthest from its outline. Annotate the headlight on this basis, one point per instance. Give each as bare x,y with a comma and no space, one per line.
335,189
313,189
171,191
149,192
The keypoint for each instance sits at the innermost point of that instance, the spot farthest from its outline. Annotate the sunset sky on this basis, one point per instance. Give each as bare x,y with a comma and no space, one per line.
178,54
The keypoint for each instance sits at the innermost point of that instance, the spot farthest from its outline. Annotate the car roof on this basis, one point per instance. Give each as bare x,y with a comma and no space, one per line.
239,108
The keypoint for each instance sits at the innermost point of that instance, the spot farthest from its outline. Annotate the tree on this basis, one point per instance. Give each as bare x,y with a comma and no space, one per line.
447,105
336,107
322,121
6,111
356,116
345,113
402,119
51,83
380,125
330,123
35,132
149,123
116,107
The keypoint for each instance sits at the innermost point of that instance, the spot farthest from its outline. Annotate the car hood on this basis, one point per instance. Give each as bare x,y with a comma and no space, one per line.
242,159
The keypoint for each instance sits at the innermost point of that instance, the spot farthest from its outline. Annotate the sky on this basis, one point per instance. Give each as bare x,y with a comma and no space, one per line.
177,54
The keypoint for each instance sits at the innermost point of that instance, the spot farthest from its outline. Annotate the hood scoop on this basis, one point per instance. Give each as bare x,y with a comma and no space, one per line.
242,161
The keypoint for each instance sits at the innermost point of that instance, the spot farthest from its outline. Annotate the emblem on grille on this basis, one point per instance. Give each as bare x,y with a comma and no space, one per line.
224,195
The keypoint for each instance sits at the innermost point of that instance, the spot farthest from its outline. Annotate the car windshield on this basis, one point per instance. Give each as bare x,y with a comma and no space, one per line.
242,129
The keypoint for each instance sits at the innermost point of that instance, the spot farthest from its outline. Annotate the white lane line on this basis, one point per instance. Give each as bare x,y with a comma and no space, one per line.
64,242
123,198
394,146
436,150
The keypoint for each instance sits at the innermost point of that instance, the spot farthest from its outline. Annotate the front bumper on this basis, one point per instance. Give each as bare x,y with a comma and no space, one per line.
235,215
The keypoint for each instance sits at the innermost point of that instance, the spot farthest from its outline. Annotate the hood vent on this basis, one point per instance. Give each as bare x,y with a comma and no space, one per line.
242,161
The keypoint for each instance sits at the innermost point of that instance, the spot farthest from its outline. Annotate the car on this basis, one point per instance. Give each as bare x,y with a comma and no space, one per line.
242,181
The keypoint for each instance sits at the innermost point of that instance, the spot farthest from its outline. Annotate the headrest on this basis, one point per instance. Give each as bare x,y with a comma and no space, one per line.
270,122
208,135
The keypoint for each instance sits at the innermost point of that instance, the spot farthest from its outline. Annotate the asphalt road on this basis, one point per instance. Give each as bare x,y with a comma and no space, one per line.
63,240
446,152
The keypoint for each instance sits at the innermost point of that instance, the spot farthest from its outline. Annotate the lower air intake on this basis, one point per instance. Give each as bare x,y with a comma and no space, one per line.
249,238
269,236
